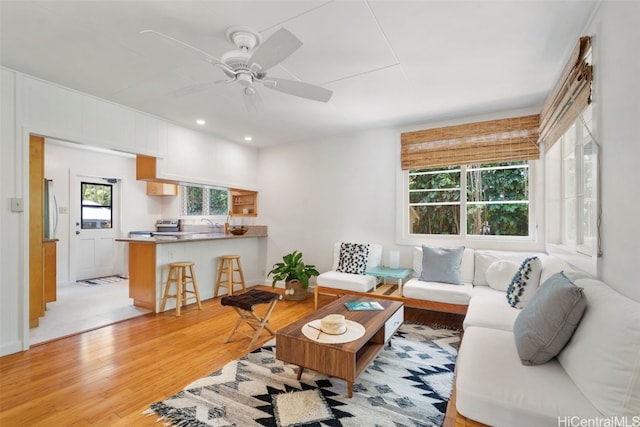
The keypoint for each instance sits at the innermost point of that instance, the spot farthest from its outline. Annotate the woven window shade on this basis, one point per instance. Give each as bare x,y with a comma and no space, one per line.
493,141
569,97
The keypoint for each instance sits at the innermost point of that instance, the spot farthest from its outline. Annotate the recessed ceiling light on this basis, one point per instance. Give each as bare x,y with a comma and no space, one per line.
248,138
200,122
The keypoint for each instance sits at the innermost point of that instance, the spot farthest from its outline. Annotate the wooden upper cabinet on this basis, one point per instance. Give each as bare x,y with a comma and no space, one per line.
243,202
161,189
146,171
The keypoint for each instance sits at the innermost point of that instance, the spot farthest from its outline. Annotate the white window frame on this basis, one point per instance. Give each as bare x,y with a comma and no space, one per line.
205,201
531,242
575,233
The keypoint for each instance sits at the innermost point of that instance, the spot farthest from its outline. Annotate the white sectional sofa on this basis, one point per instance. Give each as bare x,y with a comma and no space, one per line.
595,377
593,380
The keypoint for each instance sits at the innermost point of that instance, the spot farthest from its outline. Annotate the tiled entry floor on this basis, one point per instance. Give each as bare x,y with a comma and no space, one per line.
81,308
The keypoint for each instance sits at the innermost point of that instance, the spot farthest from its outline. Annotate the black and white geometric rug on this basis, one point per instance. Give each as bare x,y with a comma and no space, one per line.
408,384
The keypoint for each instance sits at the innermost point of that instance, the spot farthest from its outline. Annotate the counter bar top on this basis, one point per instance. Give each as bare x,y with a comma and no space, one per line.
254,231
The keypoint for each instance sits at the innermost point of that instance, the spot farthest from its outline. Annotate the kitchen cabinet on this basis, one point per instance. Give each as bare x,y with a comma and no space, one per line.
50,269
243,202
161,189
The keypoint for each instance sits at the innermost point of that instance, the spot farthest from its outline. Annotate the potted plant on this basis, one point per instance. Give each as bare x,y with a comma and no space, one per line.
295,273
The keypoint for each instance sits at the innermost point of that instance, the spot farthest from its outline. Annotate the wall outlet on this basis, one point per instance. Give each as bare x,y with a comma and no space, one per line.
17,204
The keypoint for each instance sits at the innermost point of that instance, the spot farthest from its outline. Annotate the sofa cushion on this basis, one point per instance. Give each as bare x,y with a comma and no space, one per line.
552,265
353,258
441,265
484,258
490,311
525,282
547,322
603,355
494,388
466,266
438,292
347,281
500,273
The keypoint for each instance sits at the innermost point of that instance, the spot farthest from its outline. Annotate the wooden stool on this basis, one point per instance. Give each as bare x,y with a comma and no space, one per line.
244,304
178,275
226,277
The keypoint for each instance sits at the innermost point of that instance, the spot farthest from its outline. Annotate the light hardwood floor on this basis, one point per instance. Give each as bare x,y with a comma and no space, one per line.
108,376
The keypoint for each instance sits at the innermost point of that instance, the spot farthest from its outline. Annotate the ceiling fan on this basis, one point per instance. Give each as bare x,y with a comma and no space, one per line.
249,63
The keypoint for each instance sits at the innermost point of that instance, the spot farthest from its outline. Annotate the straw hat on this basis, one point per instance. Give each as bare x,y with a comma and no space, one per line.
333,324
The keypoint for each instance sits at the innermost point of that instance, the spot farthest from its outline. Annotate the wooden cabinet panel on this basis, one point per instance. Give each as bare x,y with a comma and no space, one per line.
161,189
49,251
142,275
36,229
243,202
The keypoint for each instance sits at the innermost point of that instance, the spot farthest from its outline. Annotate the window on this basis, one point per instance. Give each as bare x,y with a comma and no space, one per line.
96,204
495,200
579,185
201,200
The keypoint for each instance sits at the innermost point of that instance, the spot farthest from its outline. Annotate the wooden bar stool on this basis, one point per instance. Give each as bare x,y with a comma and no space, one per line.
226,274
178,275
244,305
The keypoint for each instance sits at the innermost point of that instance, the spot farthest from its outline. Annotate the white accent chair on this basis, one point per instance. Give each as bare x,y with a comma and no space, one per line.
334,282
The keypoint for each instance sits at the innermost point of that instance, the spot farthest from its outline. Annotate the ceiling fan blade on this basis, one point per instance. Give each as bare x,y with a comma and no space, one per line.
199,53
274,50
301,89
252,101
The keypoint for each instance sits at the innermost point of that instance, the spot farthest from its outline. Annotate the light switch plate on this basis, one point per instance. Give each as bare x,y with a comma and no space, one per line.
17,204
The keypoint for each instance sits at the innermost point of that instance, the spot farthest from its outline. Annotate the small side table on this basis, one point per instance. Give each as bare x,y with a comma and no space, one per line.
396,273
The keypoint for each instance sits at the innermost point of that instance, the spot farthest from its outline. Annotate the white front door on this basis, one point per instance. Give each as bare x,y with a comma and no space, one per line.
95,206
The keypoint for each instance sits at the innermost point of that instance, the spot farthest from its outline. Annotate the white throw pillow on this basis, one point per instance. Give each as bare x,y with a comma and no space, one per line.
525,282
500,273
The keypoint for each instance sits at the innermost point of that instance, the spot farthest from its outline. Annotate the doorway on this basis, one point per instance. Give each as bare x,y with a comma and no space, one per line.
96,213
93,252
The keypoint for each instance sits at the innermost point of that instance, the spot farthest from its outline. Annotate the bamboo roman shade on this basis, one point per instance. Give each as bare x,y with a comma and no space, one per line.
569,97
511,139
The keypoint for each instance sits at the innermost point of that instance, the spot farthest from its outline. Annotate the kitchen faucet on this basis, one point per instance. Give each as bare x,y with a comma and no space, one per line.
209,221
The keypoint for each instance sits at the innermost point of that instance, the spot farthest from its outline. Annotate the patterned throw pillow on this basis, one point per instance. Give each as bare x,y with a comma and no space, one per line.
353,258
525,282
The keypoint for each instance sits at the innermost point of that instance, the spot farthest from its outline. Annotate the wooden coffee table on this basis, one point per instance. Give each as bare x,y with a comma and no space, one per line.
346,360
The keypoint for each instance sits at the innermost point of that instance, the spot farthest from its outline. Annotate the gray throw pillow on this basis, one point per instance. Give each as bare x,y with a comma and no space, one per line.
548,321
441,265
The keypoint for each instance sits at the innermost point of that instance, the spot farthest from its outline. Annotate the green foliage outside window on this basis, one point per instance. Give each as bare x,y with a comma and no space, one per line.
204,200
496,203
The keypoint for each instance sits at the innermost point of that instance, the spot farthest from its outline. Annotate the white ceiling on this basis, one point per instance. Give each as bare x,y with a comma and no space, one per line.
390,62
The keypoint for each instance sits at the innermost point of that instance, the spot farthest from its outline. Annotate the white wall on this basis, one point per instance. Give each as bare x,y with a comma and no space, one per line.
30,105
318,192
346,188
63,162
616,37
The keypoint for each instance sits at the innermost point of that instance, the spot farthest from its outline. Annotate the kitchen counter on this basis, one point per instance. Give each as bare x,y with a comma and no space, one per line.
149,258
191,236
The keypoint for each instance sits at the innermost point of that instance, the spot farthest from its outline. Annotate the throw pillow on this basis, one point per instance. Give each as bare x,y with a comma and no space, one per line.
353,258
546,324
500,273
524,282
441,265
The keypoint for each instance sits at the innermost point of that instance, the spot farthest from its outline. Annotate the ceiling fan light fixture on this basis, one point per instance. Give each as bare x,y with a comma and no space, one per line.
243,37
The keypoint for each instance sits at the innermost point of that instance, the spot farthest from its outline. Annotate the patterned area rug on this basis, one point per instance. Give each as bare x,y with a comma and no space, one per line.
101,280
408,384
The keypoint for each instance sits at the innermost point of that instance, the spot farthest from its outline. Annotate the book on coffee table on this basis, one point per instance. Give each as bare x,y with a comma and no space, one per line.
363,305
